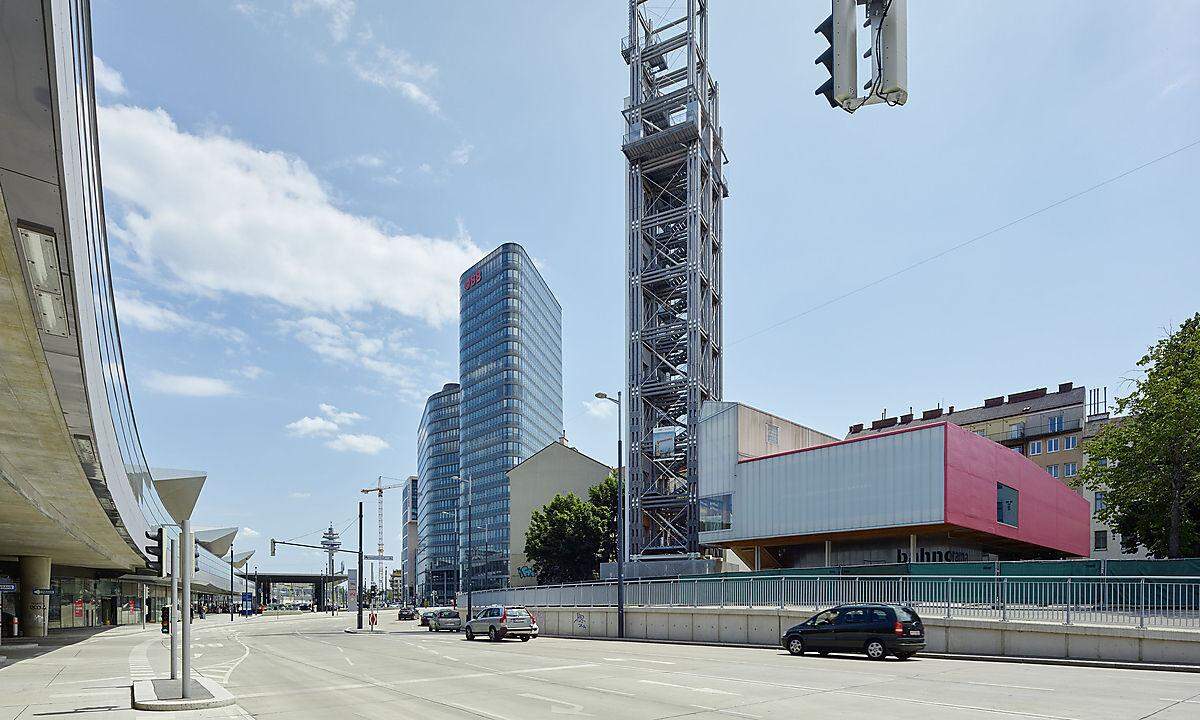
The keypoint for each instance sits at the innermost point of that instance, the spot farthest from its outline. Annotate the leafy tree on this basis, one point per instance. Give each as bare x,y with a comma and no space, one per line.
564,540
1148,461
604,497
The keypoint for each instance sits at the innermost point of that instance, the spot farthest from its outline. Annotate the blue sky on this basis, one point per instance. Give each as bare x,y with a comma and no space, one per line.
293,187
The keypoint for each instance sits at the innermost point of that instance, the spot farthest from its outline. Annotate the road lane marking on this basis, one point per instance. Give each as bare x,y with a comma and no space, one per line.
656,662
999,685
711,691
348,660
606,690
412,681
477,711
979,708
570,709
1176,700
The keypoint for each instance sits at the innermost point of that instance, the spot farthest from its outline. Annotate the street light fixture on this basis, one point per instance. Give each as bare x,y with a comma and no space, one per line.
622,524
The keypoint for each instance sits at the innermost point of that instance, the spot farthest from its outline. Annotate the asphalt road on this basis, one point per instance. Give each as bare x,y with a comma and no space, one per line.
307,667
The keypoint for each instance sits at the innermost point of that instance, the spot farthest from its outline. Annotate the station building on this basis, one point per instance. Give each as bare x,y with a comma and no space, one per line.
933,492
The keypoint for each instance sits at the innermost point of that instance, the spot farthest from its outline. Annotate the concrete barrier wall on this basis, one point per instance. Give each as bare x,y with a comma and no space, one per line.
763,627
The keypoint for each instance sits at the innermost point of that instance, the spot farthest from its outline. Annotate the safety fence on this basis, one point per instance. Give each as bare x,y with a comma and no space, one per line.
1160,602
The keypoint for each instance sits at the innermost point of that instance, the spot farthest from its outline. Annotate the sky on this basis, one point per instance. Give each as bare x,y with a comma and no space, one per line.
292,189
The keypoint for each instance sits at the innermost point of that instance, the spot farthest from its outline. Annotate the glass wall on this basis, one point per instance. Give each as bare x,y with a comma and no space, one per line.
510,368
437,495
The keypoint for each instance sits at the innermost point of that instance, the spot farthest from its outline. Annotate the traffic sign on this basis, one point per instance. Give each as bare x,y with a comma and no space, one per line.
7,587
43,591
387,558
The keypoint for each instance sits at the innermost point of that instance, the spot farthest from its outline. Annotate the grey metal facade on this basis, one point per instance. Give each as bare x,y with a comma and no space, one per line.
674,189
437,494
510,368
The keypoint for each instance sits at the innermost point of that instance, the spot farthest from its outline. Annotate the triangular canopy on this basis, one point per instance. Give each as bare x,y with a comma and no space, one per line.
178,490
241,559
218,540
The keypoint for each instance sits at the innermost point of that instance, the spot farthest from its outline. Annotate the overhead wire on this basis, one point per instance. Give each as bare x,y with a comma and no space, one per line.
966,243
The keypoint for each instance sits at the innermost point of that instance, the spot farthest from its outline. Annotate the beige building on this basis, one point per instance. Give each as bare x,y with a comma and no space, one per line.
555,469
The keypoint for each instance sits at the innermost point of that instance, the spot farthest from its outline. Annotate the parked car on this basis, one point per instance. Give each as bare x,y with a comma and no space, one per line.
425,615
499,622
874,629
407,613
445,620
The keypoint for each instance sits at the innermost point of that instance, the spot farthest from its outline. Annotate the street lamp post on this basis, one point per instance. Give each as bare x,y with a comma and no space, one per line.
231,587
470,536
621,521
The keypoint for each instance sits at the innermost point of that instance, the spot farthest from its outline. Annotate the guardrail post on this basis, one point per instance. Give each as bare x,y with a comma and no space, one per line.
1071,599
722,592
949,587
780,592
857,589
1004,600
1142,604
696,592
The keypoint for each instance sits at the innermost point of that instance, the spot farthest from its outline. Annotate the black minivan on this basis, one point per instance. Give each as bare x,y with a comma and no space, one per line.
874,629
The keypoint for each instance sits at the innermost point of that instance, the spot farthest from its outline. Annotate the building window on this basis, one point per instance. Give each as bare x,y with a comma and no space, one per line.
1070,469
1053,470
1035,447
1100,540
1098,503
1019,450
772,434
1070,442
1052,445
1006,504
1016,432
716,512
1054,424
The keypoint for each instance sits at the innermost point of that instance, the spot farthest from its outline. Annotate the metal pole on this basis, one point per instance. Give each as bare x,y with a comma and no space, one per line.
620,530
186,612
470,544
173,615
360,566
230,582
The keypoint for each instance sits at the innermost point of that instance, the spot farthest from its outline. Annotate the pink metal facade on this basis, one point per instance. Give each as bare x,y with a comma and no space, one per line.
1051,514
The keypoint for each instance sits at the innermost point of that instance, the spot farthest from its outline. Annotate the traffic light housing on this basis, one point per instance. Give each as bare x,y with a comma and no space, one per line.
157,552
272,547
841,57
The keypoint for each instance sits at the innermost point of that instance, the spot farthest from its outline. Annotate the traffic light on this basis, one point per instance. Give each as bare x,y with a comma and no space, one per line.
272,547
888,20
156,551
841,57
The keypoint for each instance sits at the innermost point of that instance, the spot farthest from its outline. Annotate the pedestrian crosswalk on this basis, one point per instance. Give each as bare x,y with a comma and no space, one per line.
139,662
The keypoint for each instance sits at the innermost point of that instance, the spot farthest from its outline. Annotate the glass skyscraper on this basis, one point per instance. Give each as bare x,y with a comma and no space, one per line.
510,369
437,495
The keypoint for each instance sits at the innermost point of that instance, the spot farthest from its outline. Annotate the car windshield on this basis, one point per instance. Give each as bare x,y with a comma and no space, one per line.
517,612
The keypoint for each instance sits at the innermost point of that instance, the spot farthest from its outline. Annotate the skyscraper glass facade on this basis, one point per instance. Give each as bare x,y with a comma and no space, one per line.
437,494
510,368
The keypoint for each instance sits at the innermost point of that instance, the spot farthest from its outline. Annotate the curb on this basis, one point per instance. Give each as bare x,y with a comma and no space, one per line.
20,646
145,698
1067,662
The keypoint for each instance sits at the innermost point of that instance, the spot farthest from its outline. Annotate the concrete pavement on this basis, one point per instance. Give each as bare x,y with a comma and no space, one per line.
307,667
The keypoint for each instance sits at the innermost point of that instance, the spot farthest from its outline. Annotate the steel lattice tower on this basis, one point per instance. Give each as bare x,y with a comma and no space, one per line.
674,150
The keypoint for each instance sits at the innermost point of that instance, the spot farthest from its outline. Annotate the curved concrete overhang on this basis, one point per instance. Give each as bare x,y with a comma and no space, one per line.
240,560
217,541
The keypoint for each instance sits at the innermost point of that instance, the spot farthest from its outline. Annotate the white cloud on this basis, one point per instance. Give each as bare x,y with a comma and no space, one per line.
259,223
188,385
396,70
107,79
338,14
366,444
346,346
251,372
154,317
307,426
461,155
340,417
299,495
250,532
600,408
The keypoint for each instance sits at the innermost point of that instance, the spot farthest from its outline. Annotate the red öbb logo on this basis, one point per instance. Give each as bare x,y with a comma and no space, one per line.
473,280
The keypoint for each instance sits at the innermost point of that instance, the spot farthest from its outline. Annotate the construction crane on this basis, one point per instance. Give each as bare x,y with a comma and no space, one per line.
378,490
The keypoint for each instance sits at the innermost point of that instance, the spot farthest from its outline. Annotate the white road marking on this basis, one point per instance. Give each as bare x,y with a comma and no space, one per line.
999,685
606,690
339,649
1177,700
557,706
477,711
656,662
348,660
711,691
998,711
450,658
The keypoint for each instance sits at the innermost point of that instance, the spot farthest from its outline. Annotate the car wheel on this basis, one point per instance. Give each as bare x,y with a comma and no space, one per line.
904,656
524,638
470,634
493,635
875,650
795,646
430,628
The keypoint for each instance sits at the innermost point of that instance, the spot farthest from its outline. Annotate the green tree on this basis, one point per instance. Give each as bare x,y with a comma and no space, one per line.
1148,460
564,540
604,497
